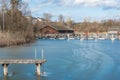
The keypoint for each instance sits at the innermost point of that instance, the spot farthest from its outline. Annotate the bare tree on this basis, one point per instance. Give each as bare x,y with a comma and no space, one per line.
15,4
3,9
4,4
70,22
47,17
61,18
25,9
16,18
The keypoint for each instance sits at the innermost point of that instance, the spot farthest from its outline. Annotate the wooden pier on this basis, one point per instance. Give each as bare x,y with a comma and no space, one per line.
6,62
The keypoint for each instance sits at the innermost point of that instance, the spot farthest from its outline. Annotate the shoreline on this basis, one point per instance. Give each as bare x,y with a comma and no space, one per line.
8,39
16,44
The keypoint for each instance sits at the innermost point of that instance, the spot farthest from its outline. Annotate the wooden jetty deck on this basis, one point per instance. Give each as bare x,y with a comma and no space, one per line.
6,62
22,61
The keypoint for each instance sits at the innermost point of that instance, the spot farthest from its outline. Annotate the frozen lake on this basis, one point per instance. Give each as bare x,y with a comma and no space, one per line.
66,60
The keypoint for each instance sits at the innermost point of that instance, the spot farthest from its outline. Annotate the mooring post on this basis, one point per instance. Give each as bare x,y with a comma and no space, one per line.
35,53
42,66
38,71
5,69
42,51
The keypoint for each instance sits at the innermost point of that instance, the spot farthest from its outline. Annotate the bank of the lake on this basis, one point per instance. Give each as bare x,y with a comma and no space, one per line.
16,38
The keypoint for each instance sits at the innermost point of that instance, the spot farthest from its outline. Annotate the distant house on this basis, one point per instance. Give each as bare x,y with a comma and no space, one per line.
36,20
41,19
54,30
114,30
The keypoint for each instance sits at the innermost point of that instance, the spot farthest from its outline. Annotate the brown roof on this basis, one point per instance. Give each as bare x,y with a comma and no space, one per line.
58,27
62,28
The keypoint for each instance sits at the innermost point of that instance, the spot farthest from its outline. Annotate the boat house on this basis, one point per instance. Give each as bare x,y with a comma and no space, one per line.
50,30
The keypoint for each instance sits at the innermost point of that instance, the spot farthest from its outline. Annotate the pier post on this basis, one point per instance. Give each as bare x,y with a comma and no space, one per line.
38,69
5,69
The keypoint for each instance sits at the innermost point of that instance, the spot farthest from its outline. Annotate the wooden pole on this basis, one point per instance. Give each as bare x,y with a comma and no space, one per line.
38,69
35,53
42,66
5,69
42,53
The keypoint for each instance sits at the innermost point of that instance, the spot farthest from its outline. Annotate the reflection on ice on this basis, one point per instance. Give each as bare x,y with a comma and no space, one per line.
94,60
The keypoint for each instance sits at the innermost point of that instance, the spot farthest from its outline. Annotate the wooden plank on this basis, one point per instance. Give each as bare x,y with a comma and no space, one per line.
22,61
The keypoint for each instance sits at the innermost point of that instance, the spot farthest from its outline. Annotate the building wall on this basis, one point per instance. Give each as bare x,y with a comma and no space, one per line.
47,30
66,31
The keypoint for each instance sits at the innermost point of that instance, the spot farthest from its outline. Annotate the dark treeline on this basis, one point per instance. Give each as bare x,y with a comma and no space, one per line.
16,25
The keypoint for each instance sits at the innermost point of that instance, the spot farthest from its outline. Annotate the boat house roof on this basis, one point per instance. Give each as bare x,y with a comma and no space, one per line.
58,28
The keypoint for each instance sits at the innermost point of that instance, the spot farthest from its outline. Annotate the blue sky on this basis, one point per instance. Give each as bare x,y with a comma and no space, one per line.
77,10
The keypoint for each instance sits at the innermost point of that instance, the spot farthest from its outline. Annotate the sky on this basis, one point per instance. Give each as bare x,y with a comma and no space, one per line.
77,10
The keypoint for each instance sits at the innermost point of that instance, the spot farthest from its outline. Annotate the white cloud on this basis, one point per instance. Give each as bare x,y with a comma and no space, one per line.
94,3
67,2
27,1
37,7
85,1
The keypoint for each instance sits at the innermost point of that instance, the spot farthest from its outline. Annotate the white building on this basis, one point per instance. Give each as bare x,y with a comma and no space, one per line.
114,31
